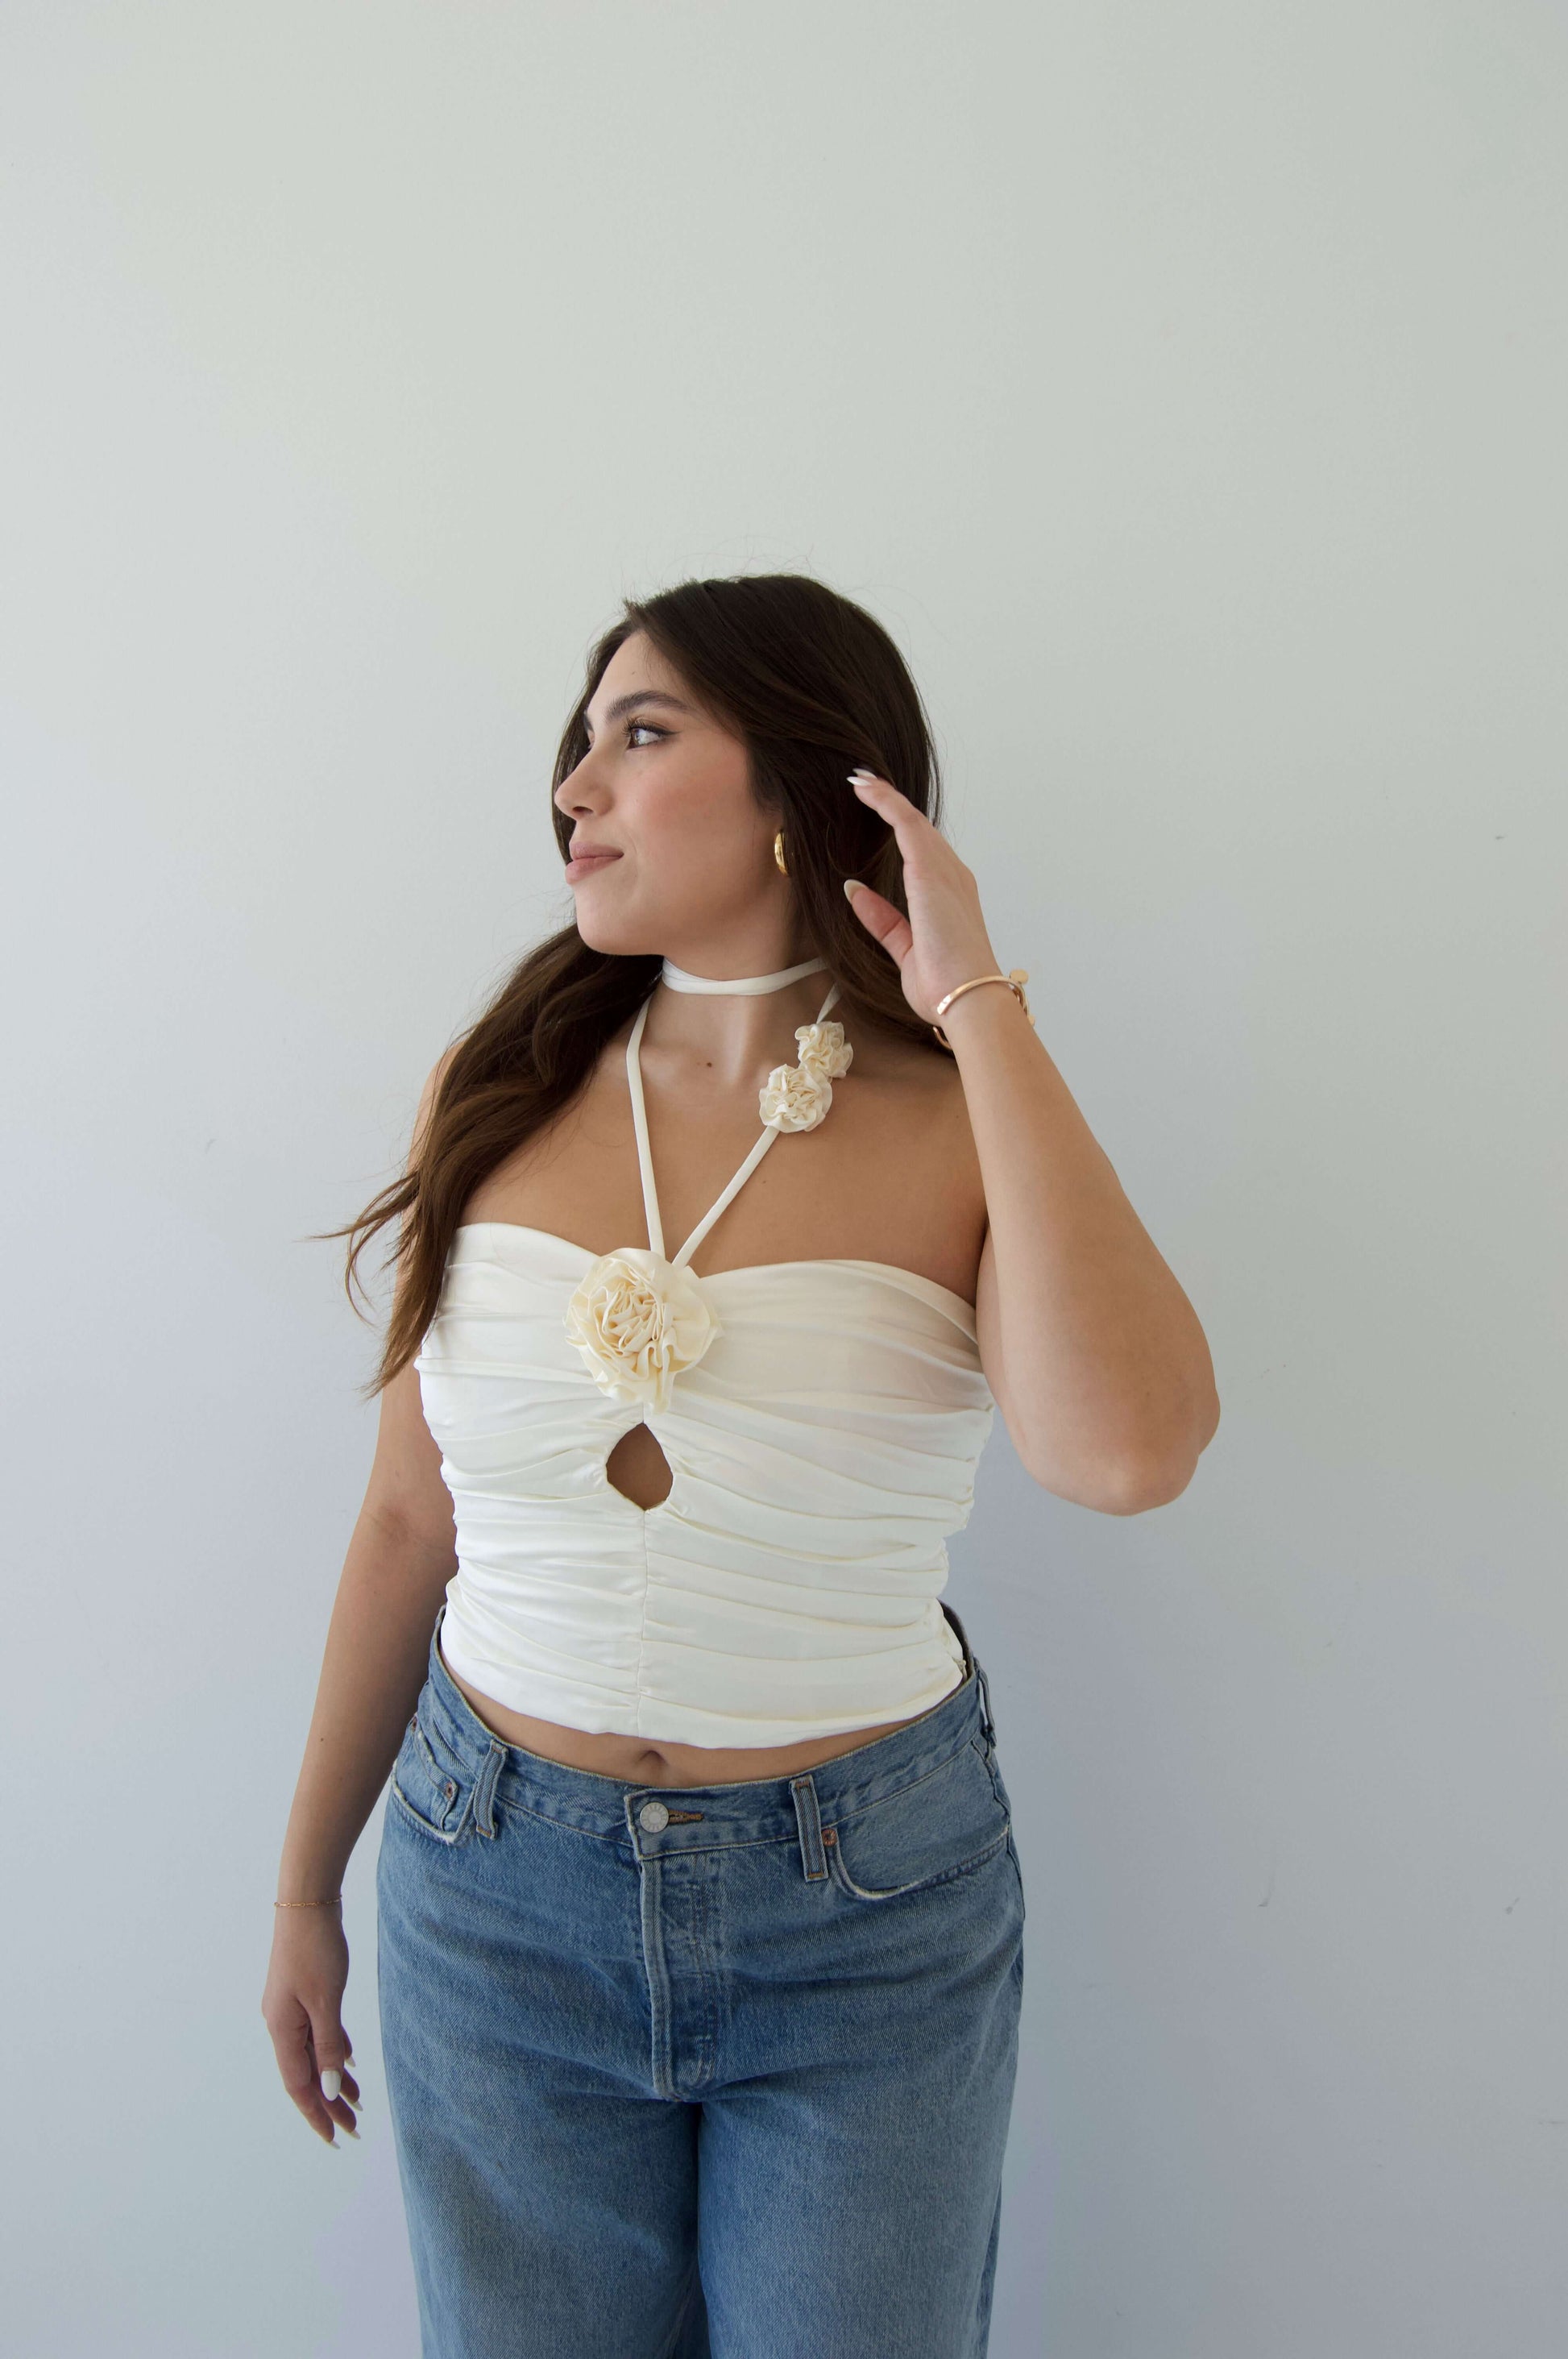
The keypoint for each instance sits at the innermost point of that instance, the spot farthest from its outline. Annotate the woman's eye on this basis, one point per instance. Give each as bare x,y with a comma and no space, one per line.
631,728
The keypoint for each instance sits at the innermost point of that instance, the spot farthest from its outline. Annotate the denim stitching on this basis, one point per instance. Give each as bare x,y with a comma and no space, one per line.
422,1747
860,1809
513,1809
1017,1871
921,1883
426,1826
506,1810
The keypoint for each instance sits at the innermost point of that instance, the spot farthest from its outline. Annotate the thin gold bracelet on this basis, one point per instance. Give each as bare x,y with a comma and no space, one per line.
310,1904
1014,982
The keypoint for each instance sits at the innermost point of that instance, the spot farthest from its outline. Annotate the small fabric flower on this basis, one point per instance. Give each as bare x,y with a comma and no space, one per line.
796,1097
638,1322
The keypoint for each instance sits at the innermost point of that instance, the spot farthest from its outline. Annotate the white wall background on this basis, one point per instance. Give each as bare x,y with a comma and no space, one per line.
1183,383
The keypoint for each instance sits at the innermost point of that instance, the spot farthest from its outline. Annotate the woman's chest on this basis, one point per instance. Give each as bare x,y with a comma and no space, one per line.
891,1175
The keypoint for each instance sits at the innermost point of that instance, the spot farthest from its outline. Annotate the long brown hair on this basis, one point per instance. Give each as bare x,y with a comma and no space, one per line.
814,686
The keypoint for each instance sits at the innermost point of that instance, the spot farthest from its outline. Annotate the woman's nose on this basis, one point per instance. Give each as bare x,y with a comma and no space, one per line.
577,792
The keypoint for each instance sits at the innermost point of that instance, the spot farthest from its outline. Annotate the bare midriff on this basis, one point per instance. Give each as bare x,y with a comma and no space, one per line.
638,1763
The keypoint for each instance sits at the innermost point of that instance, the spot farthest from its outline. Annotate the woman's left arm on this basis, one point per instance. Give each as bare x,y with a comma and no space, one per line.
1093,1352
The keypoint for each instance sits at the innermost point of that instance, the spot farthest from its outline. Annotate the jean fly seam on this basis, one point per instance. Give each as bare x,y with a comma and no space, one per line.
707,1961
655,1967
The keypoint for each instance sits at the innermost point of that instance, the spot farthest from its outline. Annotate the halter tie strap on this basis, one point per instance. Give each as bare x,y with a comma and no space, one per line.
640,1112
738,985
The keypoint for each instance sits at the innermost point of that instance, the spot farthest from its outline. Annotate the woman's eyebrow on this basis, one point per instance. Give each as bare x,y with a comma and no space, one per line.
628,704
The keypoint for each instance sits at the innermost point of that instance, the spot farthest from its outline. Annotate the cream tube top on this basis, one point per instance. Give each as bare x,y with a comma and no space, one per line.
822,1421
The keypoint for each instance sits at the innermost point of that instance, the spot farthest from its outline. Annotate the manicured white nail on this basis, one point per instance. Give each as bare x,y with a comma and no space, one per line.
855,776
331,2084
852,886
351,2133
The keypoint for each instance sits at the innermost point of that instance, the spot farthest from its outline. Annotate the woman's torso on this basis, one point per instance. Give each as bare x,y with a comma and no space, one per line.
890,1175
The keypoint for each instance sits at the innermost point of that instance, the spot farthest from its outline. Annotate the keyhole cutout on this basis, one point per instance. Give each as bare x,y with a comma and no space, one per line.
638,1469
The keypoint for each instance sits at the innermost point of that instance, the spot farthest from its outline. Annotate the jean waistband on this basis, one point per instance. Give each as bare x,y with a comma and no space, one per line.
664,1818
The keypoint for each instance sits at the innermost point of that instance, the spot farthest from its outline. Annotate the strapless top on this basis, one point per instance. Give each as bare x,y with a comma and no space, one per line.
822,1421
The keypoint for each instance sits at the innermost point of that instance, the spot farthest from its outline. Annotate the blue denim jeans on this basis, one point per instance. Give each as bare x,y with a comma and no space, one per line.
701,2072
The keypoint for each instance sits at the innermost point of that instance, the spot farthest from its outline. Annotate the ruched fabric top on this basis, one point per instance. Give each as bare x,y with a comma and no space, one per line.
822,1437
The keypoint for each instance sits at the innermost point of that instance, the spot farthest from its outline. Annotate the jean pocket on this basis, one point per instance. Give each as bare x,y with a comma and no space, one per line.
939,1826
430,1784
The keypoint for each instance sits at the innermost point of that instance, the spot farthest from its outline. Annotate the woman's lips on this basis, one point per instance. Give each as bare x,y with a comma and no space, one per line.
587,862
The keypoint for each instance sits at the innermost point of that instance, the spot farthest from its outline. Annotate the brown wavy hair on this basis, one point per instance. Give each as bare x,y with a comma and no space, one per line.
814,687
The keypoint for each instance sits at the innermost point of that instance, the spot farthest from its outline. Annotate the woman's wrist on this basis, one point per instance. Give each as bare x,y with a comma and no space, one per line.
976,999
309,1878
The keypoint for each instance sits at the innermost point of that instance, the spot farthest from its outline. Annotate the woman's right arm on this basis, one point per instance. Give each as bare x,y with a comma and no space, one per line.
400,1558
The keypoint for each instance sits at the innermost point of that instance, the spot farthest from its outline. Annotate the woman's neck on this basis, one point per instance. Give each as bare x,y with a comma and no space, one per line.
739,986
734,1035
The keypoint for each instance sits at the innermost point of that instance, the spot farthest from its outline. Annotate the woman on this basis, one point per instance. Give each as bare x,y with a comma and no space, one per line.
699,1931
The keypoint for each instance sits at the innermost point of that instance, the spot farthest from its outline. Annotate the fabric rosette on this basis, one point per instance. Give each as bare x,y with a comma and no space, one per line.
796,1097
638,1321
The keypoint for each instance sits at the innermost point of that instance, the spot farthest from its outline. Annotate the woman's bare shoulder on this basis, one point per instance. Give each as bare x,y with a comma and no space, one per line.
926,1079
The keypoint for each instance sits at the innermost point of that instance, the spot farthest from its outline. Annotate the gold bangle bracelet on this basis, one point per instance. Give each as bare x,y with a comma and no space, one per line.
310,1904
1015,982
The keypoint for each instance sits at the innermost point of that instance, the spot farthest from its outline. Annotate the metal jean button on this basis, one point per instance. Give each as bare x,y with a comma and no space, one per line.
652,1816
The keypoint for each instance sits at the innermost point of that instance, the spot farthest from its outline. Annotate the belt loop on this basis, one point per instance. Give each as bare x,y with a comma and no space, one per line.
971,1667
484,1789
987,1722
814,1858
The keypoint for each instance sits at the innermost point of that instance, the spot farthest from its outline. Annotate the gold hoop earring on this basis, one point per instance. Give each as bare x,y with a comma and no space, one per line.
778,852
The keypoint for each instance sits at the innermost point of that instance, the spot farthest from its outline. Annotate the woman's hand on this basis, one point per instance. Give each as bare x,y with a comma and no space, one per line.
942,941
305,1985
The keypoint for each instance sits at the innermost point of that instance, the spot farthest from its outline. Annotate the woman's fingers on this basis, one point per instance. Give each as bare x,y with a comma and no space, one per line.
887,801
327,2104
296,2068
880,919
942,941
329,2043
345,2107
302,2007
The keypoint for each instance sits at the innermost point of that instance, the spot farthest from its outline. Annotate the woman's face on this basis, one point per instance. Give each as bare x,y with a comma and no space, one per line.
664,793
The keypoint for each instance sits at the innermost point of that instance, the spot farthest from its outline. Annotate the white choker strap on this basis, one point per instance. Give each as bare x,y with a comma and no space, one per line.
739,985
